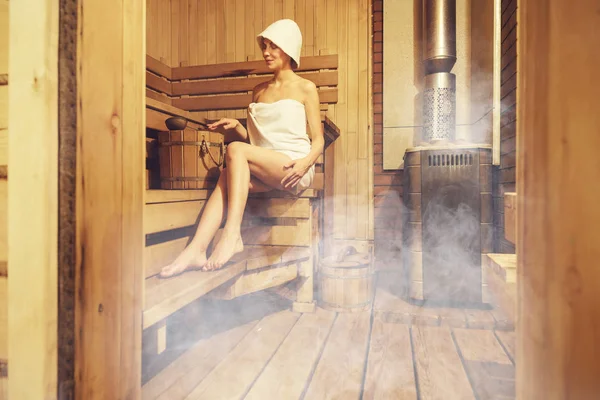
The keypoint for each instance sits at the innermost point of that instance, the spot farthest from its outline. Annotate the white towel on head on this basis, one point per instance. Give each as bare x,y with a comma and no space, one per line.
281,126
286,34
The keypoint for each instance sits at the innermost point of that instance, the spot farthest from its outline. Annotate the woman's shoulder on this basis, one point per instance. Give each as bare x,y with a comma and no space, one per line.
305,84
258,89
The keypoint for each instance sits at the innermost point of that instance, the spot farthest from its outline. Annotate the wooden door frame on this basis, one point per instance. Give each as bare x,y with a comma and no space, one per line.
75,220
558,239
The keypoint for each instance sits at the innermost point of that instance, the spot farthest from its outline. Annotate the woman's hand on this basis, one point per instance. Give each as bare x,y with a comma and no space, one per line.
223,125
297,168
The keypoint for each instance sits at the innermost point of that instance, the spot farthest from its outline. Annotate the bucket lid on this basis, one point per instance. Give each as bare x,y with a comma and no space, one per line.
351,261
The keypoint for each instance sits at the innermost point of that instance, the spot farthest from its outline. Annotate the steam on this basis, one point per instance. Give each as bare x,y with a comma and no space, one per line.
451,262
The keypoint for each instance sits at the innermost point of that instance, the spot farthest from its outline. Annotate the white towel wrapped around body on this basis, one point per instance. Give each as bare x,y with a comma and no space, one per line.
281,126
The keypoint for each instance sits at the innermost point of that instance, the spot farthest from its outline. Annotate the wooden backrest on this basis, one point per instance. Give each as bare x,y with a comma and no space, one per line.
228,86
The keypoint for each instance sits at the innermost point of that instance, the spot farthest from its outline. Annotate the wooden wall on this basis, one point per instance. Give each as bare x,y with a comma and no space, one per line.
3,182
33,199
189,32
482,70
505,173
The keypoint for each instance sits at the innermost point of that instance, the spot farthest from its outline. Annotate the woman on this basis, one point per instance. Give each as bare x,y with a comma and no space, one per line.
274,153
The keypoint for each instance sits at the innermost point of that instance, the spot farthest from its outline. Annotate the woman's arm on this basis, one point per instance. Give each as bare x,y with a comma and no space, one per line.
313,116
232,130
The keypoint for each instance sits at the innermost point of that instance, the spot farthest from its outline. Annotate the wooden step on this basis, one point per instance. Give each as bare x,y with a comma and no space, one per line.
501,273
504,265
165,296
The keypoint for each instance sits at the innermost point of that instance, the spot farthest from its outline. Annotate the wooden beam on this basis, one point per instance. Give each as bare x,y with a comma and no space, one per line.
111,149
248,67
557,200
33,199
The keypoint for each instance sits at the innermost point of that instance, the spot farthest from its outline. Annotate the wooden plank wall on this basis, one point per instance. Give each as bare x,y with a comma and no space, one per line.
505,174
3,184
189,32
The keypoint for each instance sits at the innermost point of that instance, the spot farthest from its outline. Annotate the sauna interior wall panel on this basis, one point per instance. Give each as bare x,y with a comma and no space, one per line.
187,32
482,70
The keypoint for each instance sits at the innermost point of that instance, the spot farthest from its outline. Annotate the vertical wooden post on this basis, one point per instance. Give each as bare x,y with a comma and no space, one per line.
558,351
33,199
110,190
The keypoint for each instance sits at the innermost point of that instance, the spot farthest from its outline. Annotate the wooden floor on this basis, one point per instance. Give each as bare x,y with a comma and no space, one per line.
259,349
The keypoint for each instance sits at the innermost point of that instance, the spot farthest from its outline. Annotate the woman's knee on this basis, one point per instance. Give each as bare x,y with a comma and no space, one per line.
235,150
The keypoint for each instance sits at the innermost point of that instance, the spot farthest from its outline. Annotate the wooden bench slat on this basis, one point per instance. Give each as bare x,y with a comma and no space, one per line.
278,208
166,216
236,85
307,194
157,67
248,67
276,235
159,97
235,101
273,255
254,281
172,111
161,254
158,84
168,195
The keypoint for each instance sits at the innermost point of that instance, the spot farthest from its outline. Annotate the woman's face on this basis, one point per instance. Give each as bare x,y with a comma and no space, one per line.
273,55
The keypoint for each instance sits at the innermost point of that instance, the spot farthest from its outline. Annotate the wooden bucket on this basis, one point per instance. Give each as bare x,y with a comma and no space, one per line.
190,159
346,282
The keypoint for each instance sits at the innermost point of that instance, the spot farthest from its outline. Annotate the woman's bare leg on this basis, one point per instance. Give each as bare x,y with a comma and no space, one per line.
194,255
244,160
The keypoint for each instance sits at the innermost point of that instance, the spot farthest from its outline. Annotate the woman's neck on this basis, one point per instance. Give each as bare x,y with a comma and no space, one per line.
283,75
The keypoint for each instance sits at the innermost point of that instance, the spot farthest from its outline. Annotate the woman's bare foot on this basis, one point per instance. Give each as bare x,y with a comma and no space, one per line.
229,245
189,259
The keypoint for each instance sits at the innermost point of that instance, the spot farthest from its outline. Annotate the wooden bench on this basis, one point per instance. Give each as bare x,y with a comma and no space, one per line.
281,232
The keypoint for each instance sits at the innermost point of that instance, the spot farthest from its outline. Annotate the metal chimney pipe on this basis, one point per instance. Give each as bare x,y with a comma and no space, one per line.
439,97
440,35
